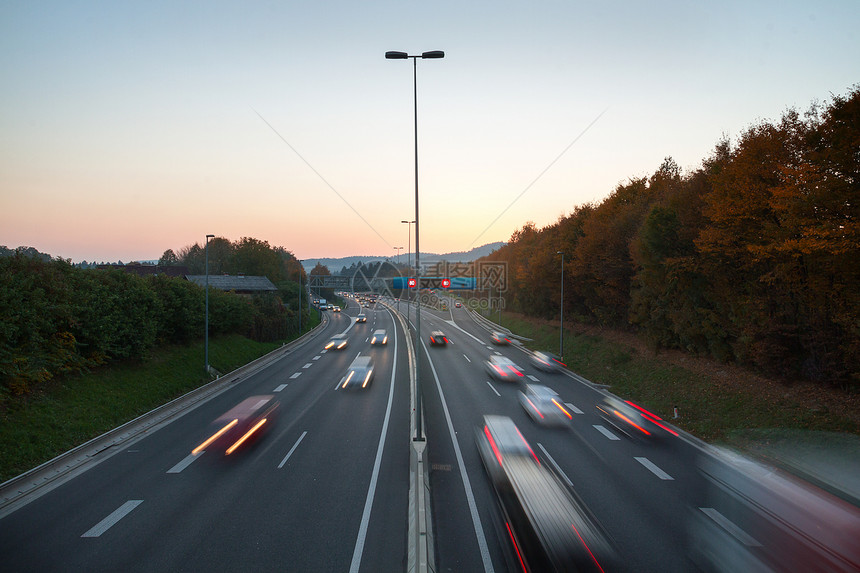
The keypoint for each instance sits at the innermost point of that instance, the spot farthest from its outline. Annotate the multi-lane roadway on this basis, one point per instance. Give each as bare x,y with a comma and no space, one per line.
327,487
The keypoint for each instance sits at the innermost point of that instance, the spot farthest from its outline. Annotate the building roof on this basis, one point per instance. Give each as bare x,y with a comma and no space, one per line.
240,283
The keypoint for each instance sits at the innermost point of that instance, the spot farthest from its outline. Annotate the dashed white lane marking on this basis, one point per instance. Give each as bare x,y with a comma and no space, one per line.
493,389
111,519
279,388
184,463
573,408
323,351
654,469
533,378
308,365
296,375
296,445
316,357
606,432
557,468
729,526
467,358
498,353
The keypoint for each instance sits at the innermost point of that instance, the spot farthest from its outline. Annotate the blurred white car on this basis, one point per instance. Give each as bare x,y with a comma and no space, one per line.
543,405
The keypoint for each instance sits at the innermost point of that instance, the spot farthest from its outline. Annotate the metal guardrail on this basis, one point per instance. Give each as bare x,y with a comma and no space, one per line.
22,489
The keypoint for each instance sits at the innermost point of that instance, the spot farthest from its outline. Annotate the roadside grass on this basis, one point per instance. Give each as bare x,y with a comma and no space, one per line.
711,406
79,408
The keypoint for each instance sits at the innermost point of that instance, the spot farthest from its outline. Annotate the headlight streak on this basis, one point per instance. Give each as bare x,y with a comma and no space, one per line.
341,345
247,435
367,378
348,378
214,437
631,422
560,407
329,345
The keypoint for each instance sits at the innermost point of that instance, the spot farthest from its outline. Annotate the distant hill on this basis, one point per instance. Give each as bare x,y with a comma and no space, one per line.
336,264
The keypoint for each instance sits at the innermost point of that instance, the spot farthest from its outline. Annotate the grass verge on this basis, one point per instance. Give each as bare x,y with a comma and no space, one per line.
714,405
79,408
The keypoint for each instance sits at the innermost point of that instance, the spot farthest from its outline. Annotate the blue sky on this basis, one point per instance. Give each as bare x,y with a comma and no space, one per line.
127,128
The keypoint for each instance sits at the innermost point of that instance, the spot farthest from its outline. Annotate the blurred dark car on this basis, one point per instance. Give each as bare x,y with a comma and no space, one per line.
242,425
549,527
437,338
544,406
360,373
547,362
503,368
633,420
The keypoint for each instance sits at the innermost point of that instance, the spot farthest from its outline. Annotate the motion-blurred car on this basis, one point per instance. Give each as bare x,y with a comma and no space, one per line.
503,368
458,304
544,406
549,527
337,342
361,318
360,373
379,337
755,517
500,338
437,338
241,425
547,362
336,309
632,420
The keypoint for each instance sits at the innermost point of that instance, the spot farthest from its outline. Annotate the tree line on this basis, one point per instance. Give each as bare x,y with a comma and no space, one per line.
752,258
60,319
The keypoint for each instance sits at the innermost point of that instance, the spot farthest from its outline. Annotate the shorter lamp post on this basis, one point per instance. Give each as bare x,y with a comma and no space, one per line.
206,319
561,319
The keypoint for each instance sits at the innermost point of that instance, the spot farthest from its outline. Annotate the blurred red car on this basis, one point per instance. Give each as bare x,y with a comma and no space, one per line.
241,425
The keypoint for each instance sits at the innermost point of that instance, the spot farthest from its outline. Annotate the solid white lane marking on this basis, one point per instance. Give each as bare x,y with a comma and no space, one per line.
296,445
111,519
467,358
279,388
654,469
308,365
729,526
557,468
533,378
355,565
316,357
606,432
467,485
296,375
493,389
573,408
185,463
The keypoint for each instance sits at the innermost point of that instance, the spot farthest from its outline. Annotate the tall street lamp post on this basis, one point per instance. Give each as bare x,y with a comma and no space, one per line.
206,320
561,320
435,54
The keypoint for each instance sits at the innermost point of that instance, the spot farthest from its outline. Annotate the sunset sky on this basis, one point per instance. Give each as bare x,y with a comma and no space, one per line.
128,128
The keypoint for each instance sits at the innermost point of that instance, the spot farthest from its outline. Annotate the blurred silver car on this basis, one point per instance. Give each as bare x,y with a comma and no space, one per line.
500,338
503,368
379,337
360,373
337,342
547,362
544,406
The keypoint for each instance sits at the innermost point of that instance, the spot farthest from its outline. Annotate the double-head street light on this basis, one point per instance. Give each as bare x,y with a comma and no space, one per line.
435,54
408,243
206,320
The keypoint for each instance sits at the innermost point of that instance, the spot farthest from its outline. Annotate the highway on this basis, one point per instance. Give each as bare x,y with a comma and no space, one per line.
325,490
640,491
327,487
